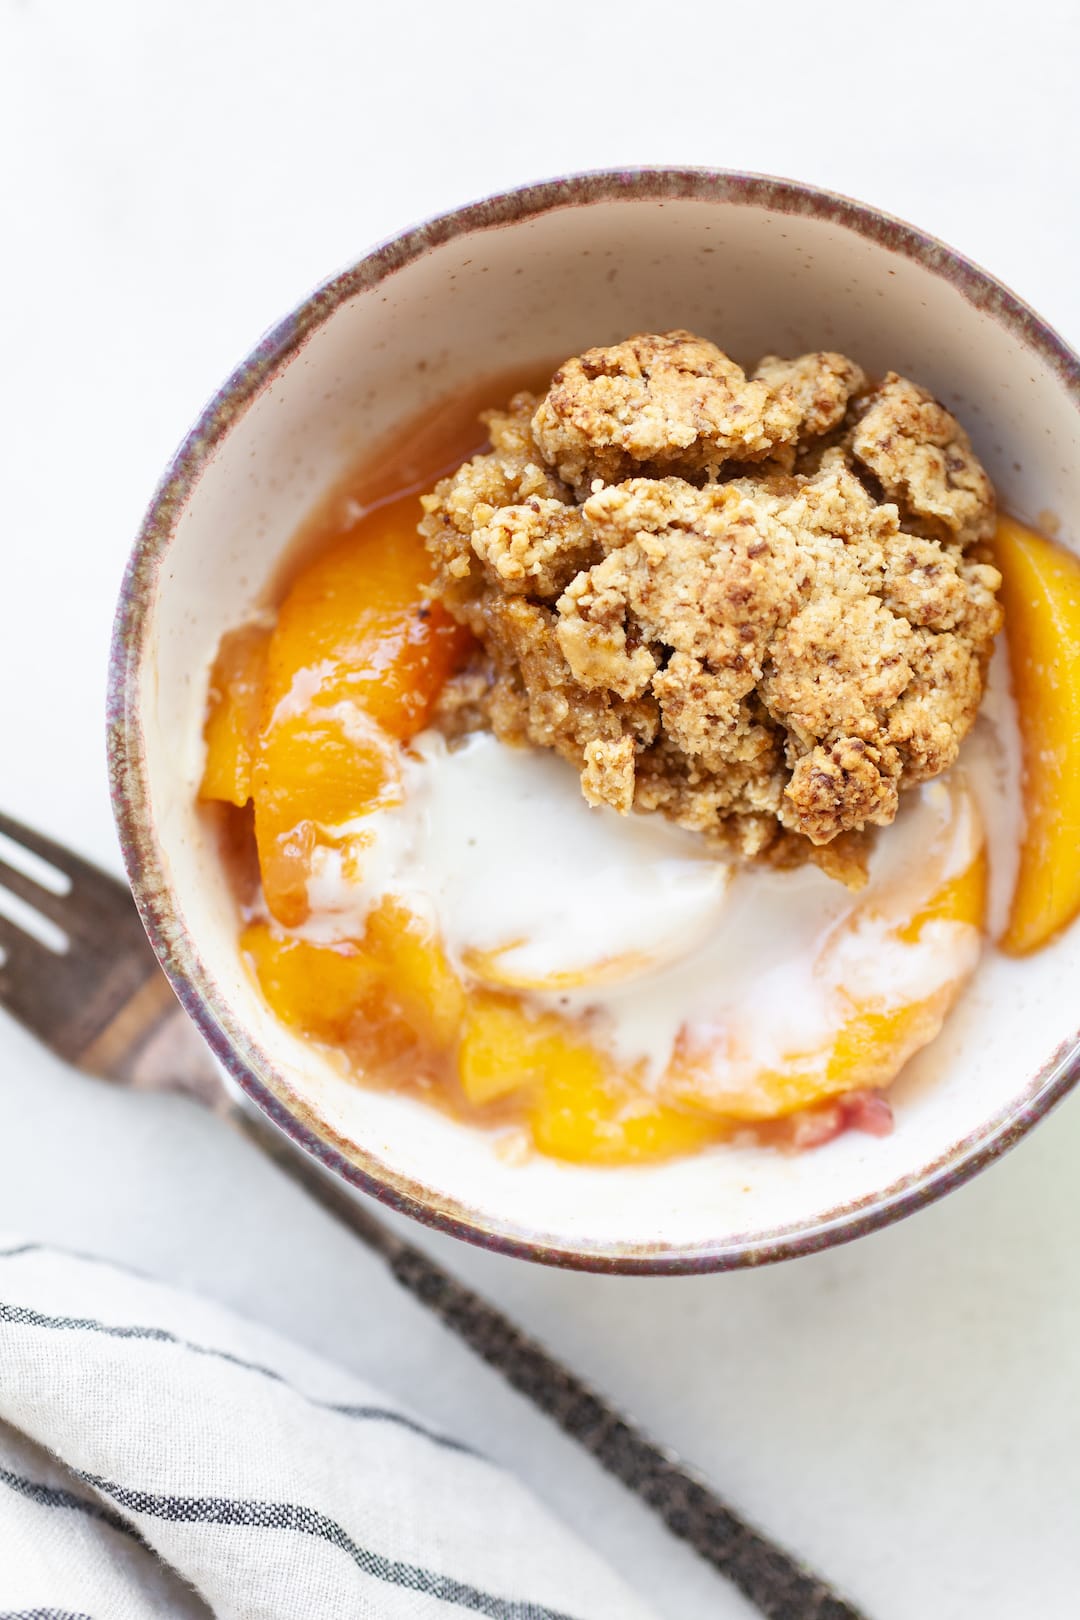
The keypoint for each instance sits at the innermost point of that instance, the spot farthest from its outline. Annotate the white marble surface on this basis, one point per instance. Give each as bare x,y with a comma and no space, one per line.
903,1412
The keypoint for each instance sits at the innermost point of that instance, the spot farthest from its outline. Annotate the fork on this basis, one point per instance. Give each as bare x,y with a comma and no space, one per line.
79,972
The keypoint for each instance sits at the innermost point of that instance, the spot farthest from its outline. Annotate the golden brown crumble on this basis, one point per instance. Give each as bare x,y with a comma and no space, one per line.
675,403
924,461
761,606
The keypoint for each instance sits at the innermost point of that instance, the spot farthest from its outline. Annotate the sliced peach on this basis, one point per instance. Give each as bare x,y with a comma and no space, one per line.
586,1114
499,1046
313,988
1041,595
959,899
418,977
392,993
357,657
312,771
233,714
355,620
869,1048
577,1106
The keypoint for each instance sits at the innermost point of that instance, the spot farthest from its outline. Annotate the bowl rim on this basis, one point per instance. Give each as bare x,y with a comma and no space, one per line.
143,856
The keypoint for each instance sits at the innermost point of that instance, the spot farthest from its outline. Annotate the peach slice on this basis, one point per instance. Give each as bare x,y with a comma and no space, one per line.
1041,594
315,989
588,1115
395,979
578,1108
356,660
869,1047
233,714
501,1047
420,980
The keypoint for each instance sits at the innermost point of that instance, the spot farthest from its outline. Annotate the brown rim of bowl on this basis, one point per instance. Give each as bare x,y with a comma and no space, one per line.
191,980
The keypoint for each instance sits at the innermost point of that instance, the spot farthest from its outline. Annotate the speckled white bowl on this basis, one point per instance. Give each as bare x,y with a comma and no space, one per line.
760,265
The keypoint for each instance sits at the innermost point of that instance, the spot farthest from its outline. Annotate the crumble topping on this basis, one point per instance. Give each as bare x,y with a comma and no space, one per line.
675,403
925,462
762,606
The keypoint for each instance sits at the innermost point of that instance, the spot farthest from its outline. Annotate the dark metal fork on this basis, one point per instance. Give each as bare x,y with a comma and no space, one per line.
79,972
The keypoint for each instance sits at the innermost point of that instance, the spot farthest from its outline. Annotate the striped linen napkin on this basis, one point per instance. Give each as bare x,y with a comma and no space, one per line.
160,1456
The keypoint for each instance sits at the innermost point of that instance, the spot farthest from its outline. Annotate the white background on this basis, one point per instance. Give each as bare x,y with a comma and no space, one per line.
176,174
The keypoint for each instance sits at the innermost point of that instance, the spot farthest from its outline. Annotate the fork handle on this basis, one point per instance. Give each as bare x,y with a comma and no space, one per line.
769,1577
152,1045
173,1057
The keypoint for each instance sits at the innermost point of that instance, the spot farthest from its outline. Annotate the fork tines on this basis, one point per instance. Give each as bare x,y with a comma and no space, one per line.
79,958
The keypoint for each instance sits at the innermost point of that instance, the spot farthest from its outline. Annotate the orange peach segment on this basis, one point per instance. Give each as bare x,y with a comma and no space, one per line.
869,1048
313,988
357,658
586,1115
499,1047
233,715
960,899
397,977
578,1108
420,980
1041,595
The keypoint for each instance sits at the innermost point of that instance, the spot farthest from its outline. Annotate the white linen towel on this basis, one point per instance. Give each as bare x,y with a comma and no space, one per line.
160,1456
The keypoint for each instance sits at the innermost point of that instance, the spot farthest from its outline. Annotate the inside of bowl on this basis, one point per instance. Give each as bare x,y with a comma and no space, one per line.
757,279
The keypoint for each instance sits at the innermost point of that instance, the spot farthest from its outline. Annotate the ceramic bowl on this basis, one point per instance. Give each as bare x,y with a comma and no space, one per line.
760,265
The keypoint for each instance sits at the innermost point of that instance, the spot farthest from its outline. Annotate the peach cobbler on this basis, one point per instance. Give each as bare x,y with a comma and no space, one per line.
652,779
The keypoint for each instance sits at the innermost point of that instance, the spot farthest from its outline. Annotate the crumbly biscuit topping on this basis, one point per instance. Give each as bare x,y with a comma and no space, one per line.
759,605
675,403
